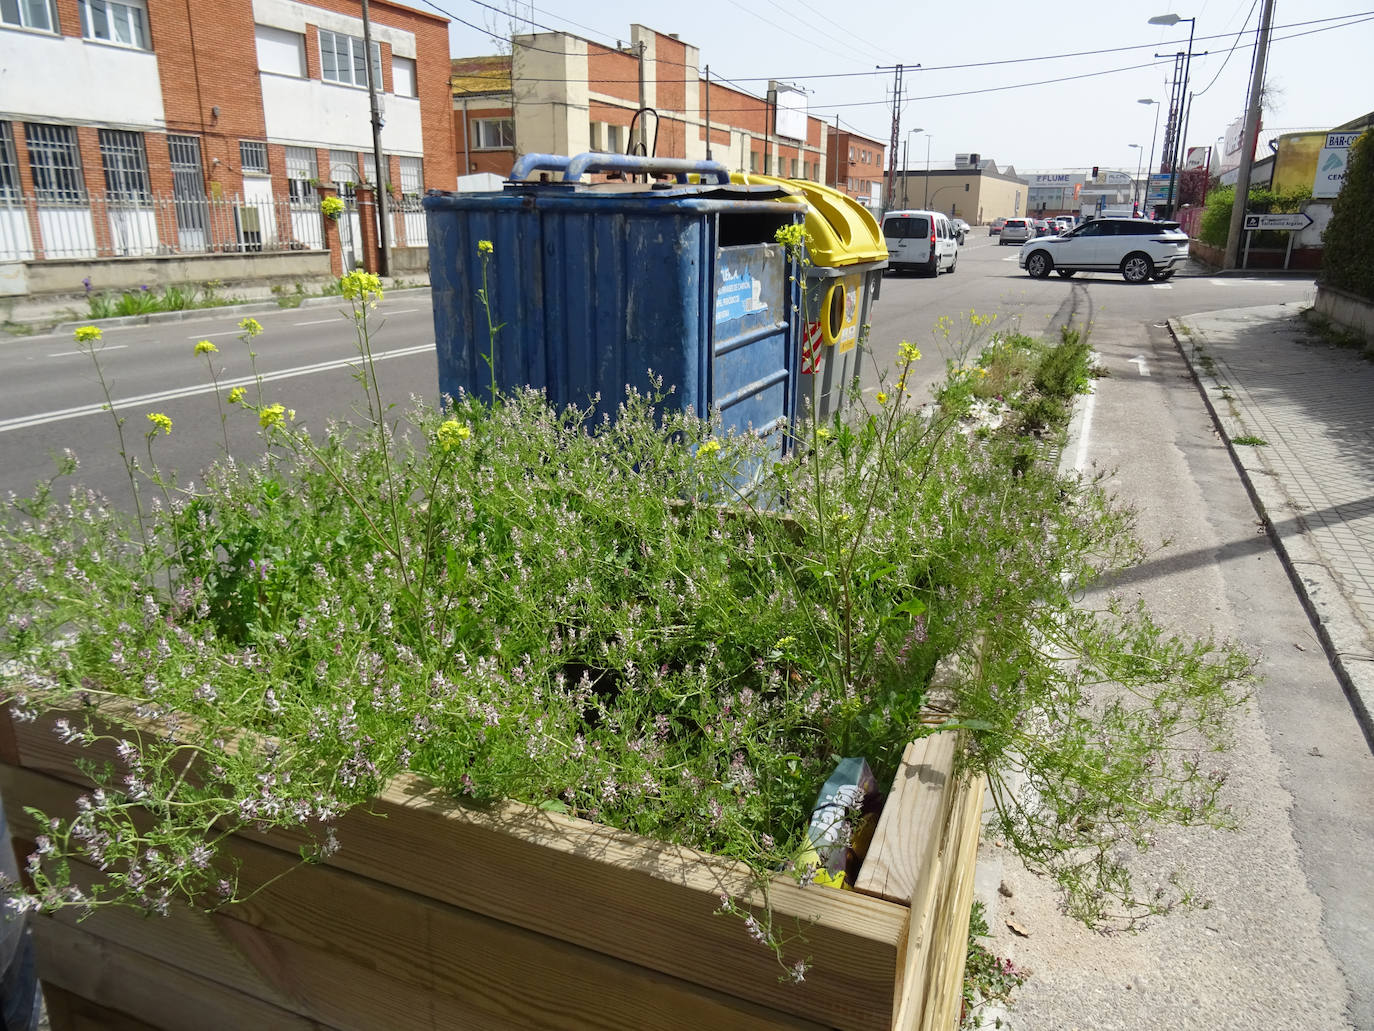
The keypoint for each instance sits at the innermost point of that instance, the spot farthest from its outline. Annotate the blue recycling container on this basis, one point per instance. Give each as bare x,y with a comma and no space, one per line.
603,286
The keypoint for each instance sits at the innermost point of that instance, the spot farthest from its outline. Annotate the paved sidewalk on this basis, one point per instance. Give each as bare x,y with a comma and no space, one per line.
1267,374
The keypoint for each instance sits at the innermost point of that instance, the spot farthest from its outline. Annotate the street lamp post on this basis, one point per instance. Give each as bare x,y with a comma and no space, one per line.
1135,183
1150,165
906,153
1173,19
927,200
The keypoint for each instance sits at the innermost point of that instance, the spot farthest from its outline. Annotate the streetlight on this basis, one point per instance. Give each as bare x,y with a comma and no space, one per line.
1150,166
1135,183
927,201
906,153
1173,19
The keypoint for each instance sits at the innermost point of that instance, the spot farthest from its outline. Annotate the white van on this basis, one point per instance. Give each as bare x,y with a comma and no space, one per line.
920,240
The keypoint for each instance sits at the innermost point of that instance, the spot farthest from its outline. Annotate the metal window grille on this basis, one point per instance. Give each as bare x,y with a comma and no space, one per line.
300,170
370,169
188,183
253,156
126,166
493,133
9,165
412,175
115,21
55,163
341,59
28,14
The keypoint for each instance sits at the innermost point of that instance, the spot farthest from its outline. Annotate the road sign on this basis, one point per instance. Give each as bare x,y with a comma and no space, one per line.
1340,140
1289,223
1158,190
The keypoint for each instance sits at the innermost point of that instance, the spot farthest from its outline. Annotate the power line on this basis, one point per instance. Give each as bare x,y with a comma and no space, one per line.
1234,44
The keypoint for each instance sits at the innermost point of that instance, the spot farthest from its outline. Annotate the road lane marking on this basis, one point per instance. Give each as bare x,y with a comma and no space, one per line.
42,418
398,311
107,347
1140,364
317,322
1162,286
207,336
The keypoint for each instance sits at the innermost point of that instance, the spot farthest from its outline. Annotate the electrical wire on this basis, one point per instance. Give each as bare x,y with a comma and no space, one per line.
1234,44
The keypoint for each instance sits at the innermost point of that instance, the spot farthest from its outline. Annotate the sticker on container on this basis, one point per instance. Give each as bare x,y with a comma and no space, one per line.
841,323
738,295
812,352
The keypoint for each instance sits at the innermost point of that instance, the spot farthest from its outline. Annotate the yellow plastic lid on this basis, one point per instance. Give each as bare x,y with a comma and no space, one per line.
843,232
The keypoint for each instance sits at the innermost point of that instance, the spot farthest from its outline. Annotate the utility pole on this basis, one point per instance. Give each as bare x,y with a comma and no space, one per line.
383,199
708,112
1247,145
896,132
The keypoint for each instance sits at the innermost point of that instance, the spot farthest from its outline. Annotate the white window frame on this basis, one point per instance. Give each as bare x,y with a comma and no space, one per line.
412,176
615,138
125,22
493,134
272,45
19,14
302,170
403,68
354,44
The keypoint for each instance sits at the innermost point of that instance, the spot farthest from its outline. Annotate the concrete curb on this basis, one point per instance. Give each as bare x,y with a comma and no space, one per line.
248,308
1338,627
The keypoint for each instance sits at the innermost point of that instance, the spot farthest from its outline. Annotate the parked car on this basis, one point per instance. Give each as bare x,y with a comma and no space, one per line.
1042,226
1139,249
996,226
920,240
961,228
1017,230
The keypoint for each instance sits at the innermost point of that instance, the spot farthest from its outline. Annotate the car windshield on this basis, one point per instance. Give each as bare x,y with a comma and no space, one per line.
906,228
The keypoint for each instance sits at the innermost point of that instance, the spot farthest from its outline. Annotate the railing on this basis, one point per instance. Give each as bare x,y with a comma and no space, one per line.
103,227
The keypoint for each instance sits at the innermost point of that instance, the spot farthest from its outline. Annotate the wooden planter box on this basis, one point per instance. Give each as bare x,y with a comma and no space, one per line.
438,915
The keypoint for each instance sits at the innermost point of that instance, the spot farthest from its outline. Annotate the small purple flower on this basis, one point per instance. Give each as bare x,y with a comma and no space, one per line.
87,284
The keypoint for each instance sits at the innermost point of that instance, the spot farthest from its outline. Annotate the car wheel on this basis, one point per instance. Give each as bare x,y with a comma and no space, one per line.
955,263
1165,276
1067,273
933,266
1137,268
1039,264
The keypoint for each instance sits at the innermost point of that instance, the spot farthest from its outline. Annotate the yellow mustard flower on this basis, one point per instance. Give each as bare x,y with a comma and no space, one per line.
250,326
205,347
485,247
236,395
792,237
271,415
452,433
85,334
709,447
822,433
361,286
882,398
908,352
160,422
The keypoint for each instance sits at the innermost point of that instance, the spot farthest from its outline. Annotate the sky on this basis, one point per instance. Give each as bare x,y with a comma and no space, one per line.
1313,72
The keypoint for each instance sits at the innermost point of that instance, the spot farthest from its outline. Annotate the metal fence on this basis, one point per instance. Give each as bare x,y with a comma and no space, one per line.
104,227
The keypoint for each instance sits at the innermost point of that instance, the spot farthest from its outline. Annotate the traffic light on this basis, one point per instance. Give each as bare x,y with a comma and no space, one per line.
1094,171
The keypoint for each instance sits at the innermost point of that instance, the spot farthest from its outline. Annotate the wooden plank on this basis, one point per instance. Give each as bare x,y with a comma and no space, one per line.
139,987
338,947
912,819
949,944
68,1012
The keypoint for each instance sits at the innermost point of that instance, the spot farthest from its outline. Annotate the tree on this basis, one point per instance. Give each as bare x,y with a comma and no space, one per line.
1348,261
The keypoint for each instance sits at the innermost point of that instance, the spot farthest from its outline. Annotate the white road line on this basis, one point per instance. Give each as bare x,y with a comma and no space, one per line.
398,311
107,347
318,322
208,336
1141,365
42,418
1162,286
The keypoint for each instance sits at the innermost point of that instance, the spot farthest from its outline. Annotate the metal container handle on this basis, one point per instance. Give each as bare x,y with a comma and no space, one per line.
539,163
680,167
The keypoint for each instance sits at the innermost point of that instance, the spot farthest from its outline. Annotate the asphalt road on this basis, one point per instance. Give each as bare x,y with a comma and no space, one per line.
1287,938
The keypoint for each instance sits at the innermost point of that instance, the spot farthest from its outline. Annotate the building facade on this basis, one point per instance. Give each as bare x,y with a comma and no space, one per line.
856,166
562,94
147,128
977,194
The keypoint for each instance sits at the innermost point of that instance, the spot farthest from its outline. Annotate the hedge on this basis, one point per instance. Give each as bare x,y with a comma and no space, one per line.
1348,262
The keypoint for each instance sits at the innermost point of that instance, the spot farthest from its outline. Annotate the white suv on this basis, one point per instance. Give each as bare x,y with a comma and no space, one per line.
1140,250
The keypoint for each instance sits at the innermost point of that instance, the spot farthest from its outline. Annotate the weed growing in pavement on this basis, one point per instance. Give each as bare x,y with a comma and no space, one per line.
1250,440
549,606
988,979
146,301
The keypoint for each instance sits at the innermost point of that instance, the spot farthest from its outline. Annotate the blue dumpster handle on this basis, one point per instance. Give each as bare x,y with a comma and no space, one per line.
539,163
681,167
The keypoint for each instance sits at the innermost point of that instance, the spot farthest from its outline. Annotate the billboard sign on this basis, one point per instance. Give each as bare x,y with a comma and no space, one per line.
1331,164
789,113
1158,191
1198,157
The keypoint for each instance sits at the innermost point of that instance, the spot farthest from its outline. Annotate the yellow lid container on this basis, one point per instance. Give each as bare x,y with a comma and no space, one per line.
842,231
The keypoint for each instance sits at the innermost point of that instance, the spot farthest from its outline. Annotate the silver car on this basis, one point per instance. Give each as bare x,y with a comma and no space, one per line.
1017,230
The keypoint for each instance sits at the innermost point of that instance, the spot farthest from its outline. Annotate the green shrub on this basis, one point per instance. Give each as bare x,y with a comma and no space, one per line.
1216,216
1348,262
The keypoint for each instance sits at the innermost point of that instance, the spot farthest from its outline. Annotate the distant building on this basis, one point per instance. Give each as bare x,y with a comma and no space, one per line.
562,94
976,193
855,165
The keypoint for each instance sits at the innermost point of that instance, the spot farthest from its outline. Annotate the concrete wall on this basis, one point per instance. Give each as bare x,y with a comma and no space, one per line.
66,79
1347,310
409,261
66,277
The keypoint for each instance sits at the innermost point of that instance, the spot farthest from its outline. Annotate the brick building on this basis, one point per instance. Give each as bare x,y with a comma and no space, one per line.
158,128
562,94
856,165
